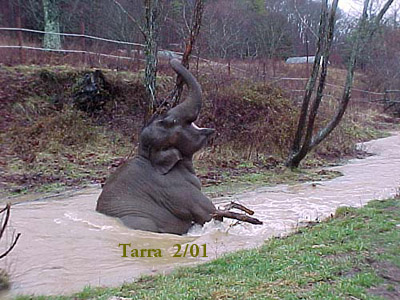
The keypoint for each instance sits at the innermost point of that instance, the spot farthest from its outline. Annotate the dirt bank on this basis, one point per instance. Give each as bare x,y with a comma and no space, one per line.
50,142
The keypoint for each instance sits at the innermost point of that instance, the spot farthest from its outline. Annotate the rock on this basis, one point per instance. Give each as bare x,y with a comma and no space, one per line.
4,280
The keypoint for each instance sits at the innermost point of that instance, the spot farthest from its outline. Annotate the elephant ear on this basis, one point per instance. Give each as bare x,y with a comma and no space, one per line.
164,160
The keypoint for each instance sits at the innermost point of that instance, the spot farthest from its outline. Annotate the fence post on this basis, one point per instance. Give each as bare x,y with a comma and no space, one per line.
83,43
264,72
136,61
19,34
197,62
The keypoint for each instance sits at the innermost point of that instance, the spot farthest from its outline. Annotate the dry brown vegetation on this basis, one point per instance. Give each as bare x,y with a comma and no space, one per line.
46,142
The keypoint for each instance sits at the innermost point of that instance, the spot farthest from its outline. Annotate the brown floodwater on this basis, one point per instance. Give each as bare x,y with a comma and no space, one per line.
65,245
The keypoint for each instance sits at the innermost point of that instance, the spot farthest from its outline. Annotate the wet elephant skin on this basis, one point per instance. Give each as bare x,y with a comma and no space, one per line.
158,190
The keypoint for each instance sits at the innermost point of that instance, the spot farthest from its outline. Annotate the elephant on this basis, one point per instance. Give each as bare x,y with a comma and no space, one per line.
158,189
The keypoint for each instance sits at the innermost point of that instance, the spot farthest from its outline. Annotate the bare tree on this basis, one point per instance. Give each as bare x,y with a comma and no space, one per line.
271,34
225,30
149,31
194,31
304,140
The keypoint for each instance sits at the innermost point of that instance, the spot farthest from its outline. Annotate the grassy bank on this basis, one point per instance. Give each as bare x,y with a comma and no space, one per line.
355,255
51,140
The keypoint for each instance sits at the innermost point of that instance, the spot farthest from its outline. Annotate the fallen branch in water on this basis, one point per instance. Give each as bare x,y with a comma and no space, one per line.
238,206
3,226
226,213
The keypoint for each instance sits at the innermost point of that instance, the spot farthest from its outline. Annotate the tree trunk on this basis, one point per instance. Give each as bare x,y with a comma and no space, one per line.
294,157
193,34
150,33
151,49
304,144
51,24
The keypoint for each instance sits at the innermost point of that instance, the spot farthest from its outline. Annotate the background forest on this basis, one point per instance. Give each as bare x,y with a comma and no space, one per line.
231,29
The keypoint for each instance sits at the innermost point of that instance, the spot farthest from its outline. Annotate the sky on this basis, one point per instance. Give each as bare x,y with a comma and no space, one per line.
354,7
350,6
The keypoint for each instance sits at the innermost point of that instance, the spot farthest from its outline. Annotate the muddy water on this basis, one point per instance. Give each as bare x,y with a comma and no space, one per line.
66,245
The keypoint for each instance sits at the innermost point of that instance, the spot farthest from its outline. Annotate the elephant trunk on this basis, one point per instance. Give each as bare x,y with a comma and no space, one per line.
190,108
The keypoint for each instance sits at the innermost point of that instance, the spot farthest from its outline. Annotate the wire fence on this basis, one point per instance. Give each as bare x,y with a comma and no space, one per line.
77,49
71,35
80,49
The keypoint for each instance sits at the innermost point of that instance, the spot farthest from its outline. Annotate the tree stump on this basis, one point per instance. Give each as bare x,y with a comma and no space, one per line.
92,92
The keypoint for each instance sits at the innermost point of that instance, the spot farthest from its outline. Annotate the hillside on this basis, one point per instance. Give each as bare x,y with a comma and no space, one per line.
50,140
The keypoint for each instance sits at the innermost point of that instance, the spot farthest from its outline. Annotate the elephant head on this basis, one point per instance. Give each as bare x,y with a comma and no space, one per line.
174,137
158,190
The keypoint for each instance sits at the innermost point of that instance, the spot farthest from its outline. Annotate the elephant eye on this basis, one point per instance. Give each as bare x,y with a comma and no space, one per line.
168,122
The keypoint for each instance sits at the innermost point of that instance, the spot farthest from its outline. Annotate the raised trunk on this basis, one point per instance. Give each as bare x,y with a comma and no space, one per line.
190,108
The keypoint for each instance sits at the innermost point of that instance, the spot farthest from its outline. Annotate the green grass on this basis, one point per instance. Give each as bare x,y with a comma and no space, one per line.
346,257
257,177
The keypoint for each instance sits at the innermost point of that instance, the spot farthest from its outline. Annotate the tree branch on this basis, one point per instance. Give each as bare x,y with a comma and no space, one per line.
324,132
190,42
130,18
4,224
240,207
383,11
11,247
226,213
303,21
219,214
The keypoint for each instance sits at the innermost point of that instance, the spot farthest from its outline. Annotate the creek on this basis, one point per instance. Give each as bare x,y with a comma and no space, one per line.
65,245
